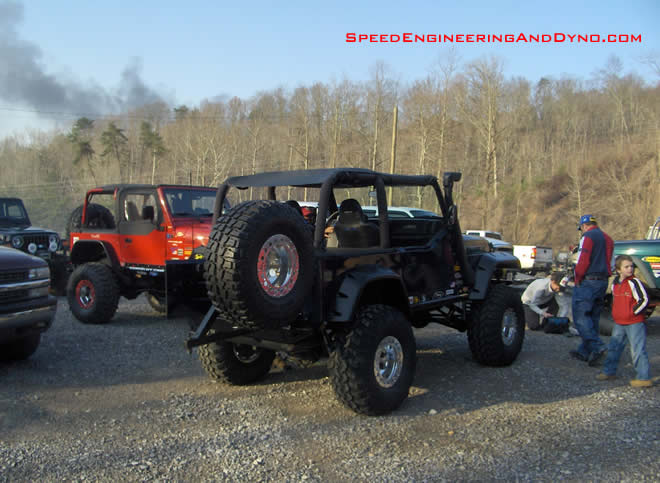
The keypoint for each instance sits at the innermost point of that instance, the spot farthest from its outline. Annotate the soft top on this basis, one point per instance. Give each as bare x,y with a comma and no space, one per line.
122,186
314,178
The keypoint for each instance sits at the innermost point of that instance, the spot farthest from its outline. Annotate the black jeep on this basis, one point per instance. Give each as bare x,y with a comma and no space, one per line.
16,231
351,288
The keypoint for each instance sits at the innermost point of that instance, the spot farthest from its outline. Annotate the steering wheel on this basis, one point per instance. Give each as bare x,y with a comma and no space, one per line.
331,219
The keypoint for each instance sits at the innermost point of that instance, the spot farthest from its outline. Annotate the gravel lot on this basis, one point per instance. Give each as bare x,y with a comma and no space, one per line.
126,402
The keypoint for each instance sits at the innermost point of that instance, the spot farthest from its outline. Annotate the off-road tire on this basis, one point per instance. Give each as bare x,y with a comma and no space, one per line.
221,363
497,327
233,255
98,216
354,361
102,285
19,349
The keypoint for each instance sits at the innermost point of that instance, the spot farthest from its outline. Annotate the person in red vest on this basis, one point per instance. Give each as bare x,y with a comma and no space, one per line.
629,302
593,268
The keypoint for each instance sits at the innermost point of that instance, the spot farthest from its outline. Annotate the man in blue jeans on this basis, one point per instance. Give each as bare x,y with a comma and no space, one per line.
593,268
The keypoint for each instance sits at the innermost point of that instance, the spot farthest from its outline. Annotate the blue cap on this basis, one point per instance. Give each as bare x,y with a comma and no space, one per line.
586,219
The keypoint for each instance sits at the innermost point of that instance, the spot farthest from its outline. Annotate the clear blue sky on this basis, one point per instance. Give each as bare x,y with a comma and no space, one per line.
195,50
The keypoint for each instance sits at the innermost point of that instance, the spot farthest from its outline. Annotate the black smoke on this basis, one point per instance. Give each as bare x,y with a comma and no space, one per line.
24,80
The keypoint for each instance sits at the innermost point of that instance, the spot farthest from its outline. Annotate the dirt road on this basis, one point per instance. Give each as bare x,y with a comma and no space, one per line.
125,402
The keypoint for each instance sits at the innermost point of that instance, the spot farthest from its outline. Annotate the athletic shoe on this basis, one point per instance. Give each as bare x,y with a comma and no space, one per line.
605,377
577,355
640,383
595,358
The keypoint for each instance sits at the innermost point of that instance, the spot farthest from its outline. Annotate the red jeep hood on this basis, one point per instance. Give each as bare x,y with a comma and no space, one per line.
195,229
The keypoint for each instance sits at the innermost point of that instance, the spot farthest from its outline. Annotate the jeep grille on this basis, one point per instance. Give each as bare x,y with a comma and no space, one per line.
40,240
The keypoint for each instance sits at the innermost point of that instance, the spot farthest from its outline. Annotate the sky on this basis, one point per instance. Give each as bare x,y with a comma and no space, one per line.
63,59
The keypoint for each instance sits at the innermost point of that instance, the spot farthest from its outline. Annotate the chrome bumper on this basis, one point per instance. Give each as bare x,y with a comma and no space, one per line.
39,318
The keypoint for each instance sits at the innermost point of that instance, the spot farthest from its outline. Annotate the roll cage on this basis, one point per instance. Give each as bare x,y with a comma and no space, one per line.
328,179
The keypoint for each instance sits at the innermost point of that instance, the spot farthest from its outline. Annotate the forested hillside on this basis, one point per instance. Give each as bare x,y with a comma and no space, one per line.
534,155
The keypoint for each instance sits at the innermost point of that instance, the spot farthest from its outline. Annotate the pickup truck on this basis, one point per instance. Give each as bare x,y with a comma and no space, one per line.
26,308
534,258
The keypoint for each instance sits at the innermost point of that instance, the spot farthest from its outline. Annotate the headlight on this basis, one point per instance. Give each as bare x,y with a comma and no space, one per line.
53,243
39,273
17,241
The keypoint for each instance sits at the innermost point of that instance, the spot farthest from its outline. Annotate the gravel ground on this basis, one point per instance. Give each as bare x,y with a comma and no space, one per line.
126,402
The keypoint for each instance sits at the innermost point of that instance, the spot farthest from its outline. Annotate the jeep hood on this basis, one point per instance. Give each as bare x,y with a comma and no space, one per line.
22,229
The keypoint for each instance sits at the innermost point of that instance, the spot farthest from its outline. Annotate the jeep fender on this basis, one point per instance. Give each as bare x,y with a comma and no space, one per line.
368,284
84,251
486,266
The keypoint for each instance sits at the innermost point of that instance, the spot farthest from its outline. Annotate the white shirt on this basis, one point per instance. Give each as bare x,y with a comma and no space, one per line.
538,293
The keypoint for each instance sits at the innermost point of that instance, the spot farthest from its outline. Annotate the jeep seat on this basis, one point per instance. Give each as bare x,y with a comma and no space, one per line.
132,213
148,213
352,228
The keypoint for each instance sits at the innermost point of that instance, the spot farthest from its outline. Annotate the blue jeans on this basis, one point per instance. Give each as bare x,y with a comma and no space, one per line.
588,300
636,334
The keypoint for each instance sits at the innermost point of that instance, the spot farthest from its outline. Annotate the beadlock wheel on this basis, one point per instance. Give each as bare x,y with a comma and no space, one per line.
278,266
85,294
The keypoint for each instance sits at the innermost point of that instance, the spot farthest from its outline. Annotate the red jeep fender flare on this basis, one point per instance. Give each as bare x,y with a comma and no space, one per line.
85,251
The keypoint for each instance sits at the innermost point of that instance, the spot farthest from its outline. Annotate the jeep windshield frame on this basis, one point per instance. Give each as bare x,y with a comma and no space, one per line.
328,179
190,195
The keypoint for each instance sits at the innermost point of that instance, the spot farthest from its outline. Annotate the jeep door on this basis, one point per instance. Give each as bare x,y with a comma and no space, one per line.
141,239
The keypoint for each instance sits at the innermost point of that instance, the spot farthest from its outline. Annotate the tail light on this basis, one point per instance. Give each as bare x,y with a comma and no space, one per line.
534,252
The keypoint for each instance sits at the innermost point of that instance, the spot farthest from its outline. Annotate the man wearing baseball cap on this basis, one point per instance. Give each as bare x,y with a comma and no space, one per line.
593,268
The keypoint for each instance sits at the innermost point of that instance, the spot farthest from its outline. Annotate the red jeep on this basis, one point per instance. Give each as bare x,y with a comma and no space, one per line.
128,239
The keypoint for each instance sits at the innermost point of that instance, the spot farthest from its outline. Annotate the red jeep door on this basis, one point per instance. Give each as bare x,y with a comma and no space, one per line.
141,239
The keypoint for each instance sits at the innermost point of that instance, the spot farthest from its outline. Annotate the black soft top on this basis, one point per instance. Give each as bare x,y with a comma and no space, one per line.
123,186
315,178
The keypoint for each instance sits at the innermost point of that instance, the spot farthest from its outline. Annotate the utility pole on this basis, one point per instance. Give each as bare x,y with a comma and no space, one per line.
395,117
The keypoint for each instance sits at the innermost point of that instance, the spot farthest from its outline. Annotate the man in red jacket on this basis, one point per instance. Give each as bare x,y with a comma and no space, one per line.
593,268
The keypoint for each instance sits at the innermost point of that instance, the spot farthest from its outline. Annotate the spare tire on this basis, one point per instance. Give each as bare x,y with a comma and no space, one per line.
260,264
98,216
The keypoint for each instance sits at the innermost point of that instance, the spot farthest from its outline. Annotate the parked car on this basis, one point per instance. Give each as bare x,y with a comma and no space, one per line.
494,239
485,234
400,212
16,231
277,286
26,307
131,239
